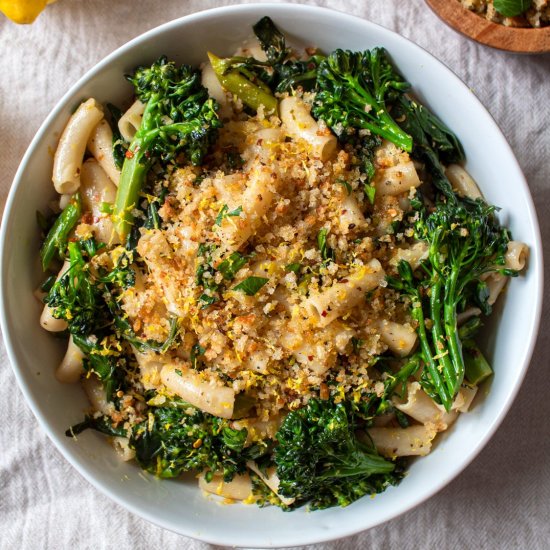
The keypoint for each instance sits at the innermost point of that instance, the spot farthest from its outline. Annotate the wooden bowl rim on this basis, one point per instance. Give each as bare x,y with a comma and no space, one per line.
511,39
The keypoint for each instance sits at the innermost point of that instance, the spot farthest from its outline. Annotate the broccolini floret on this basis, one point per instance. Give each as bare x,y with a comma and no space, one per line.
465,241
321,460
353,91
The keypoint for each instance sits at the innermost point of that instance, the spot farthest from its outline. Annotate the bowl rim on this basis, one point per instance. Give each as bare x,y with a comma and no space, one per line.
58,440
523,40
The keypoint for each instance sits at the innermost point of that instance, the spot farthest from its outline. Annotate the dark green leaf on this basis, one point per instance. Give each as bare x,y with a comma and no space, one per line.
101,424
271,40
251,285
231,265
326,252
196,351
511,8
294,268
207,300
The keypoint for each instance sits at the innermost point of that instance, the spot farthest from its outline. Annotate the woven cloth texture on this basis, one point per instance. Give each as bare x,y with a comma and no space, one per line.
501,501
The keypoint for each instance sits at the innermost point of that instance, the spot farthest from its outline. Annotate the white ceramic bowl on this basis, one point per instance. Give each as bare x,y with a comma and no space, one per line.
180,506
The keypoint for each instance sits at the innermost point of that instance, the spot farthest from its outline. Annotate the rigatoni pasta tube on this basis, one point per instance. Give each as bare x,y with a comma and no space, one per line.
299,124
94,390
414,255
411,441
255,203
338,299
239,488
68,157
210,81
205,395
350,216
100,146
396,179
97,189
271,479
399,338
317,350
123,449
516,255
464,399
71,367
130,121
422,408
495,283
462,182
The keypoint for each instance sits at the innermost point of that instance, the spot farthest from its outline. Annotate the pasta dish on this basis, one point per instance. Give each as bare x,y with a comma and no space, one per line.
271,271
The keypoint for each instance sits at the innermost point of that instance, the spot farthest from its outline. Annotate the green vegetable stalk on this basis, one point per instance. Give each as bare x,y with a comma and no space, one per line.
234,81
179,118
56,240
465,242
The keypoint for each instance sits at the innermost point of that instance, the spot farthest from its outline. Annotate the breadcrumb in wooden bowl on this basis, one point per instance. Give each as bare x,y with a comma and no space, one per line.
486,32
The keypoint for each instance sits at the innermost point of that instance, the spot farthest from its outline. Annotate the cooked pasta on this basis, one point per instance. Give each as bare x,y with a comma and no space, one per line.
280,295
72,145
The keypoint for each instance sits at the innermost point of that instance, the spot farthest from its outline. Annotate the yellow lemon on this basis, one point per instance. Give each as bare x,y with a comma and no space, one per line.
23,11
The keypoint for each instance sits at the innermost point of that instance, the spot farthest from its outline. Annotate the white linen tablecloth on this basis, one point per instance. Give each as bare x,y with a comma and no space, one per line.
501,501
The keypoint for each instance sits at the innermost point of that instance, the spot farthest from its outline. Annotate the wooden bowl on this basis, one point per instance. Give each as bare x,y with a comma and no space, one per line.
511,39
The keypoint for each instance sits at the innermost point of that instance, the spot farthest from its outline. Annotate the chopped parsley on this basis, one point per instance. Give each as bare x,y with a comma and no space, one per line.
225,213
251,285
231,265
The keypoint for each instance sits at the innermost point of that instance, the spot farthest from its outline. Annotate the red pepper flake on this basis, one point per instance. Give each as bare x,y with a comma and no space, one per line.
87,218
324,313
129,154
344,281
310,357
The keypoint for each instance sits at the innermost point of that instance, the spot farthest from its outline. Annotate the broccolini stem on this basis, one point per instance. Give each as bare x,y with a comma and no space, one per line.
134,171
386,128
451,330
131,182
418,315
58,234
438,335
476,367
236,83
